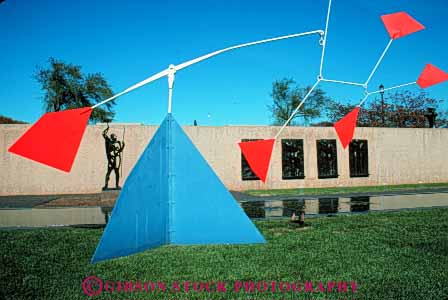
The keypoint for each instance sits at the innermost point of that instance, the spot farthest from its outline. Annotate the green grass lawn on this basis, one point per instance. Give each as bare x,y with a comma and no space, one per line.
346,190
394,255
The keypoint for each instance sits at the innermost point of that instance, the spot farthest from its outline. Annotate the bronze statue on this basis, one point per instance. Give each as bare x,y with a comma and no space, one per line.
114,150
431,116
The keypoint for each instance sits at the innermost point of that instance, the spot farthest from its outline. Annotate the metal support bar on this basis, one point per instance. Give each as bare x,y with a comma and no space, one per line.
135,86
324,42
297,108
201,58
204,57
343,82
392,88
363,99
387,89
171,72
378,62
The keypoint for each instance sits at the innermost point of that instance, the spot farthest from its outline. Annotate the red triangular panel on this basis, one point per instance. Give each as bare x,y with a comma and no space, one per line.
400,24
431,75
258,156
54,139
345,127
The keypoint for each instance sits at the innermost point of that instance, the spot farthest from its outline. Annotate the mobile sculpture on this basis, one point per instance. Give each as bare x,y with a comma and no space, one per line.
258,153
161,203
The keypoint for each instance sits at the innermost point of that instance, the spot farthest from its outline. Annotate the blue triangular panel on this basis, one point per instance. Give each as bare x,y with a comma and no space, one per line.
173,196
139,218
203,210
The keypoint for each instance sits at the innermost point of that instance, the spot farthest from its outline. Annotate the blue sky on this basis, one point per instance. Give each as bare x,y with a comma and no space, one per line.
128,41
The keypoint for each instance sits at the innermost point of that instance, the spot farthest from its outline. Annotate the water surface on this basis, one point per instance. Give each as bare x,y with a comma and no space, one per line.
312,207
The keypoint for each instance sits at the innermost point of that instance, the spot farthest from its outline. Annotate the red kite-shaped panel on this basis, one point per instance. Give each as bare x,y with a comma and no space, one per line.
54,139
258,156
431,75
400,24
345,127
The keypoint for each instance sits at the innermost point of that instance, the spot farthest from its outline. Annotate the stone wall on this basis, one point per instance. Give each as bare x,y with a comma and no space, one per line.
396,156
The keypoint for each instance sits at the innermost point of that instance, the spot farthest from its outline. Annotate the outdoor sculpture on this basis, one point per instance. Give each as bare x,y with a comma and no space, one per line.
431,116
114,152
178,210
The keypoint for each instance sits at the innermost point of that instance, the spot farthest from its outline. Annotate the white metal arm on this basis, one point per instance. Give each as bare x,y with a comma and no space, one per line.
378,63
298,107
324,41
319,77
173,69
394,87
343,82
365,84
383,90
135,86
204,57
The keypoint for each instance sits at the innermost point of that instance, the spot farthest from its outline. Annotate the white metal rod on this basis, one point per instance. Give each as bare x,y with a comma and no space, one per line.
364,99
394,87
170,99
135,86
388,89
325,39
297,108
201,58
378,62
343,82
171,73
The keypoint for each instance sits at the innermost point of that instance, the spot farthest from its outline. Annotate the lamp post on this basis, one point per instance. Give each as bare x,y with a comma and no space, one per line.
381,89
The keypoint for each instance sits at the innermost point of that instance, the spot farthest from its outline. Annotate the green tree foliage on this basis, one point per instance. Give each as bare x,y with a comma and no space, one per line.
66,87
286,97
401,109
7,120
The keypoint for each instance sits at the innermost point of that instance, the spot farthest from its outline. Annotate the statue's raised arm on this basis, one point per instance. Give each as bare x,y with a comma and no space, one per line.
105,132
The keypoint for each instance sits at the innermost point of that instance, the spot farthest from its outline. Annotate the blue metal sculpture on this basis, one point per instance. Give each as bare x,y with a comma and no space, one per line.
172,196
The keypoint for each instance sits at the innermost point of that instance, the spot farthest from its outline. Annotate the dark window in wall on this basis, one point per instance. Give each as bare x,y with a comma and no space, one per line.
254,209
327,159
328,205
246,172
293,207
359,204
359,158
292,159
